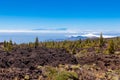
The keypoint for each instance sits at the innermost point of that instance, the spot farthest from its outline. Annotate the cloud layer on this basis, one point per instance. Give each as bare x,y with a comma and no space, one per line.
71,32
38,31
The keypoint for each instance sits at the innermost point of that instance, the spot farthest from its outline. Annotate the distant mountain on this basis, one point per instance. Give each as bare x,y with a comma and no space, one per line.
77,38
86,36
52,29
72,38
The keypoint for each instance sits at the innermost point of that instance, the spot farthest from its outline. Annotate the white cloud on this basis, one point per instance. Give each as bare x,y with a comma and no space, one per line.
94,35
74,32
90,35
38,31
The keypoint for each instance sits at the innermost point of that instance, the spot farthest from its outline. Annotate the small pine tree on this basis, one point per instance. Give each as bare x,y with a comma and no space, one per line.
5,44
111,47
80,41
9,47
11,43
36,42
101,40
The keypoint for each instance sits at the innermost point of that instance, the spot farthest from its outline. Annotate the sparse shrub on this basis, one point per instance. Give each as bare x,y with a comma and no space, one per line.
51,72
106,52
8,46
27,77
65,75
56,74
75,66
31,45
97,50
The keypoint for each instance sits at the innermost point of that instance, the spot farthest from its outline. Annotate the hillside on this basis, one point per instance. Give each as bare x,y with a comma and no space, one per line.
90,59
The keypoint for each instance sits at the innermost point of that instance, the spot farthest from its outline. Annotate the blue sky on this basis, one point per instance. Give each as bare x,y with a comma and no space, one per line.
52,14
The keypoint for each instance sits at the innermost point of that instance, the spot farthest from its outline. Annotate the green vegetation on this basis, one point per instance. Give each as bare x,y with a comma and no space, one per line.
36,42
26,77
111,47
78,47
8,46
89,59
101,41
100,45
57,74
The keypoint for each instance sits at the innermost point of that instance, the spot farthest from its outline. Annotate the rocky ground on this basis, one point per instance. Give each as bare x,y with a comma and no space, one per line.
31,64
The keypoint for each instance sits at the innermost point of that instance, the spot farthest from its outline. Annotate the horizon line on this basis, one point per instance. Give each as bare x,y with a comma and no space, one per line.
61,30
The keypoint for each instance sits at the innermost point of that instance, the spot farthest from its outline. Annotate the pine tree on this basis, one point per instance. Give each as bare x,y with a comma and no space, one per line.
111,47
36,42
11,43
5,44
101,40
9,46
